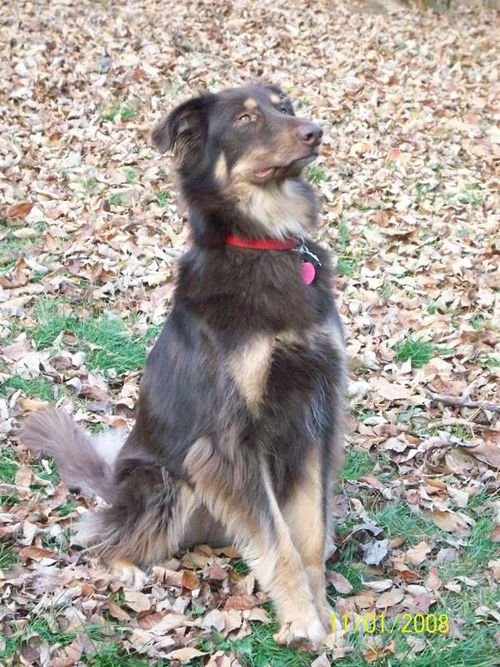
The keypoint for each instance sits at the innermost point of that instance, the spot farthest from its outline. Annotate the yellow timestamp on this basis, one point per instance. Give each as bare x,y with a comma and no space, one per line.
380,624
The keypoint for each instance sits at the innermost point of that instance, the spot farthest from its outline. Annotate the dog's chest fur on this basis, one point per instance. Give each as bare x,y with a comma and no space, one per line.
251,364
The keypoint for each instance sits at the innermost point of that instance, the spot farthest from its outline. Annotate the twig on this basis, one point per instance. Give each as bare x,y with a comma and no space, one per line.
455,421
462,402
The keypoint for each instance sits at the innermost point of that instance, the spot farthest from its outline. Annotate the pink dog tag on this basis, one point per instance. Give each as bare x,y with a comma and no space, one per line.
308,272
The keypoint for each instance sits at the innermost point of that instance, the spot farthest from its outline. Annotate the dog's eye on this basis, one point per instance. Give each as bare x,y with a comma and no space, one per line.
283,110
244,118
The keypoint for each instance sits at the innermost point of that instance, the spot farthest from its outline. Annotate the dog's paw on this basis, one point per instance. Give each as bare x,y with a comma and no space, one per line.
328,617
130,575
305,630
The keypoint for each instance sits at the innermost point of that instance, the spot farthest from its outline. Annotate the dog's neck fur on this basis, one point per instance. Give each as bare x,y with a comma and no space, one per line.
277,210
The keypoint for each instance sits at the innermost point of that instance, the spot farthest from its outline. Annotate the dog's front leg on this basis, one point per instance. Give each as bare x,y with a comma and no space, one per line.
252,516
305,514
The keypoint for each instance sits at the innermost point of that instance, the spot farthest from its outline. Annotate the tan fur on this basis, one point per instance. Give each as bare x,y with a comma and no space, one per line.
249,368
250,103
279,207
128,573
271,554
245,166
303,513
220,171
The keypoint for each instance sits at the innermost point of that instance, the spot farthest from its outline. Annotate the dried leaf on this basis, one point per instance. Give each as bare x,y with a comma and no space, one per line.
340,583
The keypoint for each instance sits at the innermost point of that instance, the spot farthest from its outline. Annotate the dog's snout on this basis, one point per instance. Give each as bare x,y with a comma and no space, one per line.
310,133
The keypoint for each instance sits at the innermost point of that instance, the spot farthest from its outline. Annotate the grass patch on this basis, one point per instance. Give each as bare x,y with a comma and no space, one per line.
473,557
105,341
46,469
122,110
476,651
260,650
415,350
7,557
357,463
397,520
347,261
130,174
316,173
112,655
240,566
37,387
8,464
115,200
489,360
163,197
40,628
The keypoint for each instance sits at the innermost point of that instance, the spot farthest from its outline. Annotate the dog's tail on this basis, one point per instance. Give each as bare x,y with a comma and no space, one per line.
85,462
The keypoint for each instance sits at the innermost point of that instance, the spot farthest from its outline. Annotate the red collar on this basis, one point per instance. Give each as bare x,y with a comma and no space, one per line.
262,244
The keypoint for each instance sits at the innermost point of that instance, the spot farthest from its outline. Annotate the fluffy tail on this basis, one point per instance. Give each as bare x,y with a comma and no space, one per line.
85,462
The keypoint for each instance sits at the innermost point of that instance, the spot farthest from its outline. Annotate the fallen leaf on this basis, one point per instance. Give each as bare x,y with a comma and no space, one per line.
417,554
19,209
380,585
185,654
340,583
375,552
389,599
243,601
136,600
449,521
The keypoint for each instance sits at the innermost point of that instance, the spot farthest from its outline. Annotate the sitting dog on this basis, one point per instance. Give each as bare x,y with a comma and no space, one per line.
238,421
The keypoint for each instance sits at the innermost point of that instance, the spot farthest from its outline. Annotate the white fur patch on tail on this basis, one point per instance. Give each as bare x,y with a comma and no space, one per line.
108,444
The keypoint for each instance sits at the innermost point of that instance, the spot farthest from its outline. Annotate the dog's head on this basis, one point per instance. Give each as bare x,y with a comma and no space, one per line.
246,145
247,134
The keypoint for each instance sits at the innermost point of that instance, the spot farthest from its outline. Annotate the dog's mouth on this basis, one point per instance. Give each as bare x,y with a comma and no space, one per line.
279,172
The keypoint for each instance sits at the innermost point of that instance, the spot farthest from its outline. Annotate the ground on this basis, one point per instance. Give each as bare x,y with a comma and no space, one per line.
89,238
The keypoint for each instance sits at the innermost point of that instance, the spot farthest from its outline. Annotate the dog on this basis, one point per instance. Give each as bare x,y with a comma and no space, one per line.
238,423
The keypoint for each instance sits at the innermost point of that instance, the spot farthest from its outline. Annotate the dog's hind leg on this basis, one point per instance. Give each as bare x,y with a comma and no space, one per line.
251,514
147,521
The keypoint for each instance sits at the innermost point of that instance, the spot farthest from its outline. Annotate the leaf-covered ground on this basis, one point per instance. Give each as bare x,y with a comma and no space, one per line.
89,237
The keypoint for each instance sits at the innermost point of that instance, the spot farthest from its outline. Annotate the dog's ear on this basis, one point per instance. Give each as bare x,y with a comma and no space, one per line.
184,130
285,100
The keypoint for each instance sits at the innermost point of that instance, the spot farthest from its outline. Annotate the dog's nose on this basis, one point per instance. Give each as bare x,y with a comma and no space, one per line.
310,133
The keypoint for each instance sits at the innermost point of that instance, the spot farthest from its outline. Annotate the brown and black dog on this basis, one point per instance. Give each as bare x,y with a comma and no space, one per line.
238,422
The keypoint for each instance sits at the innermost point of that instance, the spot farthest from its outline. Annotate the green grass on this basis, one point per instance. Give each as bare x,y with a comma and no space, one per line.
163,197
112,655
398,520
357,463
38,627
478,650
7,557
474,555
315,174
37,387
67,509
489,360
130,174
115,199
477,322
8,464
260,650
347,259
105,340
121,109
240,566
415,350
